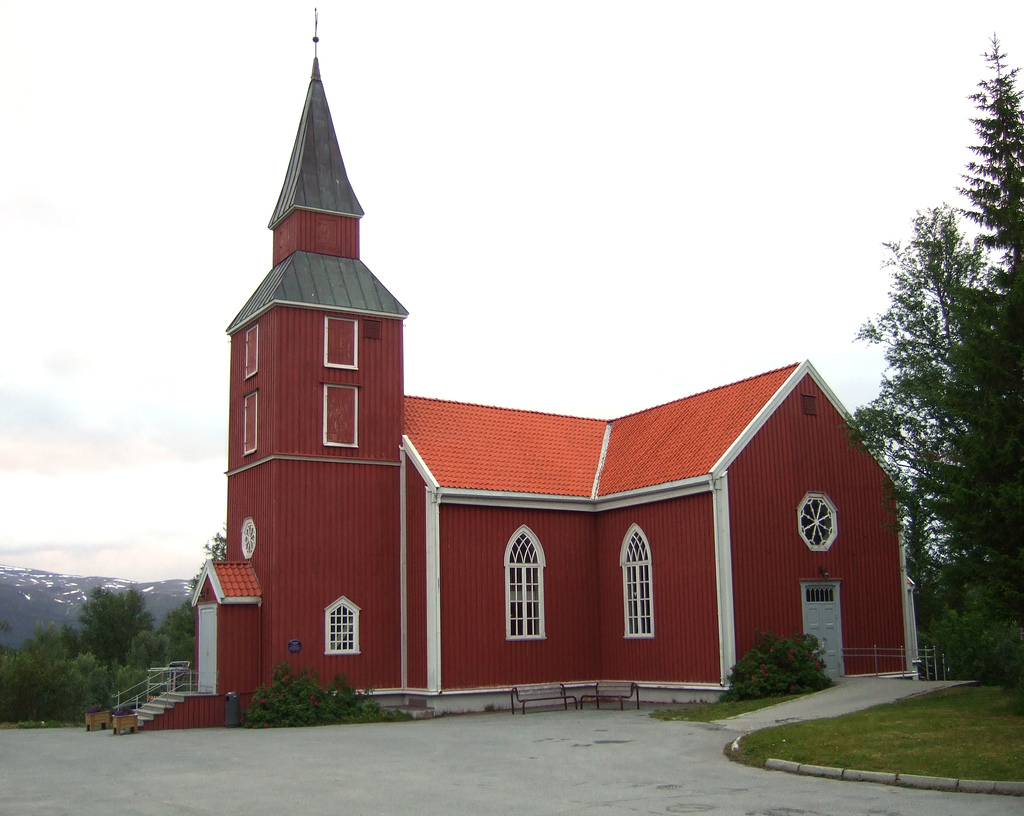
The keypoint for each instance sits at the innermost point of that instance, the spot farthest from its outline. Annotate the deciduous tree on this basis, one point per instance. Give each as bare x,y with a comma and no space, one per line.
216,549
909,427
110,622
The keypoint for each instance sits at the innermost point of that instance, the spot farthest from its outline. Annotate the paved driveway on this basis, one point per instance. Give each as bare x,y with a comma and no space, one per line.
548,762
849,694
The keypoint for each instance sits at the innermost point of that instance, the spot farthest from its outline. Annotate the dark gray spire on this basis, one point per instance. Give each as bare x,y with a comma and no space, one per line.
316,178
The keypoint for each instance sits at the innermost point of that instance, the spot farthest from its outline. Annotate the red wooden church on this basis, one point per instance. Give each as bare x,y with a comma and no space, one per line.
448,551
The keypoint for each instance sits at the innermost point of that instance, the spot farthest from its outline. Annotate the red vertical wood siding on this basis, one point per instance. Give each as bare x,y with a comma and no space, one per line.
290,380
474,651
793,454
323,233
681,537
416,577
327,527
238,634
336,532
204,711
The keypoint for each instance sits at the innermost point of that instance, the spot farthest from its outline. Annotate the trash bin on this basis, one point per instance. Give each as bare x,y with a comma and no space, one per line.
232,710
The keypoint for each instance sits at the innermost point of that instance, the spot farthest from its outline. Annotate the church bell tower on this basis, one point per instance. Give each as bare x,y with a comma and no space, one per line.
315,429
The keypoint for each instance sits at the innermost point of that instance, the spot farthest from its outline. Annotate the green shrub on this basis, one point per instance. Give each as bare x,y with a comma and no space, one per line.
775,666
298,699
979,648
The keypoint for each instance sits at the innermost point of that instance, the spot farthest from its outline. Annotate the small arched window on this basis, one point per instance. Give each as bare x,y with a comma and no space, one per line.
524,586
635,560
341,627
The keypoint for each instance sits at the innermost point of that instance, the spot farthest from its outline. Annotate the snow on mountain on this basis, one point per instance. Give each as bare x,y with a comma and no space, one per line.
29,596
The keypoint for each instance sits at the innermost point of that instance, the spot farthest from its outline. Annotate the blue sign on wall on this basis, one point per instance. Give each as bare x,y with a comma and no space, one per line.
294,645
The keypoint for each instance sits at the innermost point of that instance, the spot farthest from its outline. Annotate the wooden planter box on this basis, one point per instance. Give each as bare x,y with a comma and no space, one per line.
129,722
97,719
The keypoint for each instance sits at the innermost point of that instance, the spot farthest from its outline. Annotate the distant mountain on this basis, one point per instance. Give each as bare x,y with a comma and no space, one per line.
29,596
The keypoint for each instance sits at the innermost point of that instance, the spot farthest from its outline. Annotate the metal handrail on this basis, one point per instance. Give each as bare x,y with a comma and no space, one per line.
177,677
884,659
930,663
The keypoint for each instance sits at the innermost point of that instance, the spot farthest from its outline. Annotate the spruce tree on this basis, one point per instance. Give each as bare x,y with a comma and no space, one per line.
949,421
983,505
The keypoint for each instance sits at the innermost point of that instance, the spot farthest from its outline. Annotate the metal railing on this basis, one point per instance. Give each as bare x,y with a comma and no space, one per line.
177,677
875,660
930,663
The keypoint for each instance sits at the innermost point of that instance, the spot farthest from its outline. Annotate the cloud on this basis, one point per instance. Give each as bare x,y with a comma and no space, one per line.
25,205
41,432
141,523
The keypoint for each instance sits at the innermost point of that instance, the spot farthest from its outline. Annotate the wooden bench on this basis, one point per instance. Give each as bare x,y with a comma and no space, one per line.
613,692
537,694
97,719
126,722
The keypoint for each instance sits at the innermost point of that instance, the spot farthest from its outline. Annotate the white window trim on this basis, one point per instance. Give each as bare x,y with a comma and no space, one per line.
248,526
355,343
541,564
331,608
355,430
255,331
824,499
255,421
625,564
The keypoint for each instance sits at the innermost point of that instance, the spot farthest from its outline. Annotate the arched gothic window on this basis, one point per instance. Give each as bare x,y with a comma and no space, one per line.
341,627
635,560
524,586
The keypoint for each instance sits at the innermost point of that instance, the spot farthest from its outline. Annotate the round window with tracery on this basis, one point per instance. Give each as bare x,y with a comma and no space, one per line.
248,538
816,519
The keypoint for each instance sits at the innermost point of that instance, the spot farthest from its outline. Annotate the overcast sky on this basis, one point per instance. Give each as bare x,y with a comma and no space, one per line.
587,208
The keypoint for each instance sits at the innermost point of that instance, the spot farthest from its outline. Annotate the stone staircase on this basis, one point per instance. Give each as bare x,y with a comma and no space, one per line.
158,705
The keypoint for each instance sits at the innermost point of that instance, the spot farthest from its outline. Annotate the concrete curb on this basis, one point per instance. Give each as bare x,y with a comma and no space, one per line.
900,780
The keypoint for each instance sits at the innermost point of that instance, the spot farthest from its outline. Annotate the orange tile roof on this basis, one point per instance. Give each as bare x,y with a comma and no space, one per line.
484,448
684,438
237,579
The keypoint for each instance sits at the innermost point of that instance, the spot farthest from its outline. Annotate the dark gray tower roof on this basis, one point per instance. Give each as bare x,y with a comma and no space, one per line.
316,178
320,281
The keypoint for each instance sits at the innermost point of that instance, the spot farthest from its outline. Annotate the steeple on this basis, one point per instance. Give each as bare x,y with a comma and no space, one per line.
316,229
316,178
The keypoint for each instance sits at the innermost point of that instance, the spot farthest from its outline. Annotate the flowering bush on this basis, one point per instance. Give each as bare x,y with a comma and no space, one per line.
775,666
294,699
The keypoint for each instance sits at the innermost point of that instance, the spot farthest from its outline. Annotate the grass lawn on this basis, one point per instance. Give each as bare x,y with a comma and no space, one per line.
960,733
718,711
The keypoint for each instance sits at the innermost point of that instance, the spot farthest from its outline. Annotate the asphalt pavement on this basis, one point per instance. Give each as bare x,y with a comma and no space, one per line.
547,762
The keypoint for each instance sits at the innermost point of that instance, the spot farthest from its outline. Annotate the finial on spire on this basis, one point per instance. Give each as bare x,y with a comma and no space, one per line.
316,39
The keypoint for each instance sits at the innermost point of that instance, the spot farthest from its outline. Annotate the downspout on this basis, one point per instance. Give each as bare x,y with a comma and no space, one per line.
403,580
433,523
723,575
